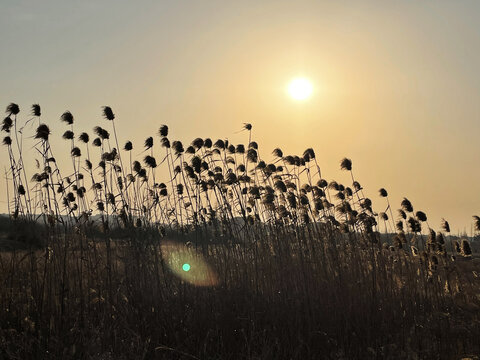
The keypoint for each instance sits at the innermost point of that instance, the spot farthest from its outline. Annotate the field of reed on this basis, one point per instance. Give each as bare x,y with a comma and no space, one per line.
208,250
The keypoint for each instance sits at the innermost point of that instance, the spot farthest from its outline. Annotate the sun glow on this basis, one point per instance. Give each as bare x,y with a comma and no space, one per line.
300,88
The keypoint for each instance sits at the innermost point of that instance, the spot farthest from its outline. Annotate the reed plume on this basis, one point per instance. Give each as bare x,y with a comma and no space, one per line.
346,164
108,113
67,117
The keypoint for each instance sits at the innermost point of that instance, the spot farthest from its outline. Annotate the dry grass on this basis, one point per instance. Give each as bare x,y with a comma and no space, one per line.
284,265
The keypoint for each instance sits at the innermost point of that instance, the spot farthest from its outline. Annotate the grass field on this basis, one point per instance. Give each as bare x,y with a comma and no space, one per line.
232,257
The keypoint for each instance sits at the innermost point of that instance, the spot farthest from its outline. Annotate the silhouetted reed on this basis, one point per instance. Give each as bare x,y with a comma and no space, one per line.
291,252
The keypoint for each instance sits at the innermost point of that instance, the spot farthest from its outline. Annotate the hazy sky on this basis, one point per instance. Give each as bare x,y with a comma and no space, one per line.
396,83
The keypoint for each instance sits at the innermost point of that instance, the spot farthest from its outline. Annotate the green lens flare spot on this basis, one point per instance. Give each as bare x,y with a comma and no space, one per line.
186,267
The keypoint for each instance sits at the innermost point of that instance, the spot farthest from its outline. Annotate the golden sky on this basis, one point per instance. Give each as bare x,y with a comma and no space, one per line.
396,84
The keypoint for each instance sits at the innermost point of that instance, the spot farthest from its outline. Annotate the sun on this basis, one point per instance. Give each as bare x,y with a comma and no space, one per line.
300,88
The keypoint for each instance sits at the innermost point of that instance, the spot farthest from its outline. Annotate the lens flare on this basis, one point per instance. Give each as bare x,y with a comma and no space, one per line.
188,265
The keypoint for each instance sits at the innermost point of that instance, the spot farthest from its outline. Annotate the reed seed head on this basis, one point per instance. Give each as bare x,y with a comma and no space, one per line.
36,110
445,226
407,205
97,142
252,155
42,132
7,140
67,117
84,137
163,131
12,109
207,143
346,164
7,124
108,113
277,153
421,216
150,161
148,142
177,147
466,249
165,142
68,135
76,152
198,143
476,222
247,127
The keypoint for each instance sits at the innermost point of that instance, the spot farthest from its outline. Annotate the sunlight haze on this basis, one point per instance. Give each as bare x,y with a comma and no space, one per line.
396,85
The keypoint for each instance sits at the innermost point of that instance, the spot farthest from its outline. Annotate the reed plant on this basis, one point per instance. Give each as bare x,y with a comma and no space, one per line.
213,252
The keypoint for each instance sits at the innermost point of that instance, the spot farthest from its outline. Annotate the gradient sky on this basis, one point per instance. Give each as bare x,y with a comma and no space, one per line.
396,84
